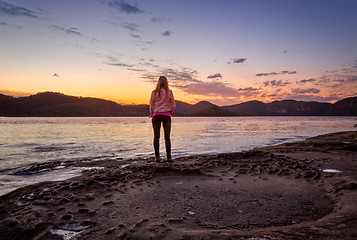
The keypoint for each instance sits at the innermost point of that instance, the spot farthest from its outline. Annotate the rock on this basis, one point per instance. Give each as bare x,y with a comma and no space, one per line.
108,203
67,217
83,210
111,230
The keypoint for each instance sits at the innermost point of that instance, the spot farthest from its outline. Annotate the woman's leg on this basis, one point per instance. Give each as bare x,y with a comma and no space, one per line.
156,124
167,130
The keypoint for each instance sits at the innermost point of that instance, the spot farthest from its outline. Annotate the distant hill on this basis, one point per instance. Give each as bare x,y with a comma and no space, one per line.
215,111
50,104
255,108
345,107
58,104
202,108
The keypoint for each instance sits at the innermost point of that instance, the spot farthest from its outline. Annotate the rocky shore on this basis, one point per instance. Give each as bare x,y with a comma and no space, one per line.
302,190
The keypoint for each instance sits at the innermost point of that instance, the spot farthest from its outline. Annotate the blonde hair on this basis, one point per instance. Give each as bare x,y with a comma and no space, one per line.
162,83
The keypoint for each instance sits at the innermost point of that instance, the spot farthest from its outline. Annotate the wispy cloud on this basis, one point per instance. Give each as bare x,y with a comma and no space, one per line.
184,75
350,68
156,20
187,81
266,74
346,77
118,64
306,81
137,36
148,64
276,83
275,73
248,91
8,9
288,72
69,31
125,7
345,80
167,33
113,61
5,24
304,91
130,26
213,88
238,60
351,79
217,75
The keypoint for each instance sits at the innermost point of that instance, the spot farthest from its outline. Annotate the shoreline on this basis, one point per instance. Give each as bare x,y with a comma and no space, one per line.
199,197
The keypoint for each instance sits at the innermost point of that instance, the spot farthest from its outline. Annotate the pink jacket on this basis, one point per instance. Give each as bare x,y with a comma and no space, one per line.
164,103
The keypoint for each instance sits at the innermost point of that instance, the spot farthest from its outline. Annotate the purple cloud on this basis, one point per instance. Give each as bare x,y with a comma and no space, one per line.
239,60
8,9
217,75
306,81
304,91
276,83
275,73
209,88
69,31
126,7
155,20
115,62
167,33
248,89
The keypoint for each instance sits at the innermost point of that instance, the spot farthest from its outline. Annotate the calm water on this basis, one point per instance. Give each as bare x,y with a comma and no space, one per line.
24,141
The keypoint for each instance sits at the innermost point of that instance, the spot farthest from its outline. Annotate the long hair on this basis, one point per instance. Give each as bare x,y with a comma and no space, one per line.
162,83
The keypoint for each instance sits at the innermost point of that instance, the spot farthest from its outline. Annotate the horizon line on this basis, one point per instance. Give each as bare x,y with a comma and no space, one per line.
122,103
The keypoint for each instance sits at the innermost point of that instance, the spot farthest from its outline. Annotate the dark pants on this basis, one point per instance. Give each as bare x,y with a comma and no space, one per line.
156,124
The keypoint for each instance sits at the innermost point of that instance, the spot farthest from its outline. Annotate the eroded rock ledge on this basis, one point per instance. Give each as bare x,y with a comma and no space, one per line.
303,190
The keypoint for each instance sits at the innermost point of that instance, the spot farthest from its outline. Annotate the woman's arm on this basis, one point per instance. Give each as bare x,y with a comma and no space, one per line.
152,103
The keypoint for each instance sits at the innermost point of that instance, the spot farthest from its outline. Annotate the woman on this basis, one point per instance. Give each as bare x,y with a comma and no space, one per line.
162,105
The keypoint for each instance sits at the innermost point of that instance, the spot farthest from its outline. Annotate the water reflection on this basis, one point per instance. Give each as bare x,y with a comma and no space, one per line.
29,140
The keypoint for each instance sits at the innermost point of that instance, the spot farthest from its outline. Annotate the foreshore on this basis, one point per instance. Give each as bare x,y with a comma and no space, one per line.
302,190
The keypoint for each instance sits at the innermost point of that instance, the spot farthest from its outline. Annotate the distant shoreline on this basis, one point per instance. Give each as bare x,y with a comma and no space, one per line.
50,104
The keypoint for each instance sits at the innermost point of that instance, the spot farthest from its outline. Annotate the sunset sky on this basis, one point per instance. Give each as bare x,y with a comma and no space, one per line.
223,51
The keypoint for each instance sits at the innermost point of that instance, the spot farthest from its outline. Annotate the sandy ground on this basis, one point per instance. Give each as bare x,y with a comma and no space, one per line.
289,191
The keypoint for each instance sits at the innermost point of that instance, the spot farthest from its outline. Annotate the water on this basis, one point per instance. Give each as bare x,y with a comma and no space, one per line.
25,141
